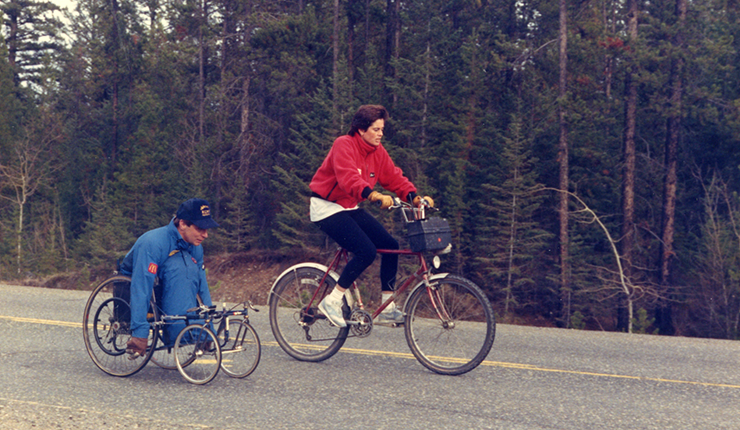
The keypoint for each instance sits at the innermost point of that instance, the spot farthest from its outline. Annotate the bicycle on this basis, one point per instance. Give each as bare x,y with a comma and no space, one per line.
449,323
106,329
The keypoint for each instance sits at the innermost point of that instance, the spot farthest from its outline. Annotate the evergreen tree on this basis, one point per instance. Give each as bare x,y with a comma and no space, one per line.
511,244
32,31
310,143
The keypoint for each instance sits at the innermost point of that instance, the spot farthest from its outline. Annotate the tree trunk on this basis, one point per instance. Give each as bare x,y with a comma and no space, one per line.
628,167
201,73
335,67
563,162
116,78
390,44
663,319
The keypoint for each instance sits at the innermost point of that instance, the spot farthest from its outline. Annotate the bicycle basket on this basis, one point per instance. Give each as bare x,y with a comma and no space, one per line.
431,234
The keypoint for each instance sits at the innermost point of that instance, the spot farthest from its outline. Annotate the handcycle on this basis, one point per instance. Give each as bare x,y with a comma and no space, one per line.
211,340
449,323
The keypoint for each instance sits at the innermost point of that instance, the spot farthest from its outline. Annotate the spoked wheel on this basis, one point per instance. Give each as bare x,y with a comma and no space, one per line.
450,326
106,328
304,332
163,355
197,354
240,348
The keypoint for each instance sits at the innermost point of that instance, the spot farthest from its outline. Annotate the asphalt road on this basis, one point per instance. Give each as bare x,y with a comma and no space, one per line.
533,379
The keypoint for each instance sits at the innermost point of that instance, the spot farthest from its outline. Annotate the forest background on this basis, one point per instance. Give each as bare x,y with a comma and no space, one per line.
584,152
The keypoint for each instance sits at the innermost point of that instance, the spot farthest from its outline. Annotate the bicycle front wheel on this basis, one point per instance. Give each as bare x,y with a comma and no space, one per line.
106,328
197,354
450,325
240,348
302,331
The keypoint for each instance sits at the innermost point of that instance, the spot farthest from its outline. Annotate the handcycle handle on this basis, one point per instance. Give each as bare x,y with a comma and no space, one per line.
202,310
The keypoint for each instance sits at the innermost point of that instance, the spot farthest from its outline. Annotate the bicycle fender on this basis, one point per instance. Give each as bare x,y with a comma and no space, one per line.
421,285
318,266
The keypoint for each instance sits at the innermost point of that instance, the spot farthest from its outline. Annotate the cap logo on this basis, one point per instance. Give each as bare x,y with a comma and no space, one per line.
205,211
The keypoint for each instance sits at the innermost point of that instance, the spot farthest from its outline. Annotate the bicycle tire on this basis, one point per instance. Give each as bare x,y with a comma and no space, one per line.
240,348
304,334
106,328
197,354
451,346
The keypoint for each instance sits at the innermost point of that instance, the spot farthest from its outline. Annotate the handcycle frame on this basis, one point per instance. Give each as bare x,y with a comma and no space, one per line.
106,330
433,310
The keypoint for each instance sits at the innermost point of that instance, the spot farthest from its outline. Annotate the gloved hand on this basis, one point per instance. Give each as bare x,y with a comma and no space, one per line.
136,345
385,200
417,201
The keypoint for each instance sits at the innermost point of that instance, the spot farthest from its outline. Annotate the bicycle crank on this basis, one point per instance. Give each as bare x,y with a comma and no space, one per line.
360,323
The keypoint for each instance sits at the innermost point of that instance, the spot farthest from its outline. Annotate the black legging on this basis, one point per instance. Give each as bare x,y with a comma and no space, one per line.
361,234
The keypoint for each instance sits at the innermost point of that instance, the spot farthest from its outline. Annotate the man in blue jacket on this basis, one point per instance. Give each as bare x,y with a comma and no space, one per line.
174,254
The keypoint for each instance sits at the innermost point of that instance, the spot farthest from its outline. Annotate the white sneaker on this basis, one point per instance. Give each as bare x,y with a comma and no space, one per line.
333,311
392,317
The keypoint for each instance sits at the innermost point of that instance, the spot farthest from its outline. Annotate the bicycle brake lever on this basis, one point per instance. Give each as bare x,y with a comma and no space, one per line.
251,306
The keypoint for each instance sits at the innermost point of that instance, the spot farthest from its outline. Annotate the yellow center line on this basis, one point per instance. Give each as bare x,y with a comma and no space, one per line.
40,321
407,355
530,367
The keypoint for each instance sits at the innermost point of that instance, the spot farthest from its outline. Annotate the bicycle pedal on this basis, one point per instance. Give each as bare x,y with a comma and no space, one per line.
388,324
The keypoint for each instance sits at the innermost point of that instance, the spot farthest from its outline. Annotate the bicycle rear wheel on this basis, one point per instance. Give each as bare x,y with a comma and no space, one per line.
450,326
106,328
240,348
304,333
197,354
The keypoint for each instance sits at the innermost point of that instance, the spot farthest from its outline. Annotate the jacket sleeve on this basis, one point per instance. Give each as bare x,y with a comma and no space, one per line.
348,173
145,266
391,176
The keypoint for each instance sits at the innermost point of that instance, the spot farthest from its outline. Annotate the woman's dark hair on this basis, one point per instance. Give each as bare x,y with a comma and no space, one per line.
365,116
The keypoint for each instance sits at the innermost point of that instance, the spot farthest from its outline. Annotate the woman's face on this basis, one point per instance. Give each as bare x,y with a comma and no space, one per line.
373,133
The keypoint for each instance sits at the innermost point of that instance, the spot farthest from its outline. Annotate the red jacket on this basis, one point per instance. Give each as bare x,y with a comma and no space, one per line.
353,165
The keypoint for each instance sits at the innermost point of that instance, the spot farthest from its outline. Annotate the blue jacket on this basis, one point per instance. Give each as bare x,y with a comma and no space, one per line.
179,265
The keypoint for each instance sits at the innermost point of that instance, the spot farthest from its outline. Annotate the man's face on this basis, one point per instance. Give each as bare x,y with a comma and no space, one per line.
373,133
192,234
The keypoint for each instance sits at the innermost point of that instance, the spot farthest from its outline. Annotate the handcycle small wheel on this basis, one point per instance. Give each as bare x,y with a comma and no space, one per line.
302,331
106,328
197,354
450,326
240,348
163,355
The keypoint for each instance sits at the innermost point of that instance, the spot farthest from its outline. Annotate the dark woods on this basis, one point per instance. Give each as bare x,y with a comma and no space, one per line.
585,153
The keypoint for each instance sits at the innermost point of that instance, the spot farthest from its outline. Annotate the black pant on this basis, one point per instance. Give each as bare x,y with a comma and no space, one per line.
361,234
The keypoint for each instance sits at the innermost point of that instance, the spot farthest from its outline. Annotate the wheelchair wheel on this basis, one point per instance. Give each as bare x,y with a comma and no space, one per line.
197,354
240,348
106,328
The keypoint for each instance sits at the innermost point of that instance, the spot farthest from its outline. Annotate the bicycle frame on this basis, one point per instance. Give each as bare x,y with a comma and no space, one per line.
422,272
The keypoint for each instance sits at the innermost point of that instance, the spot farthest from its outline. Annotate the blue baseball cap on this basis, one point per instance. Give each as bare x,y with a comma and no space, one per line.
197,211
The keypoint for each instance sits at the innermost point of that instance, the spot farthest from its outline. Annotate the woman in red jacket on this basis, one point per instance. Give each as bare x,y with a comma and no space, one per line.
355,163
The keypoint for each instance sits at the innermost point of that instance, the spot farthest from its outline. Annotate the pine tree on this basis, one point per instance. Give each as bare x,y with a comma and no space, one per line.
311,140
511,243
